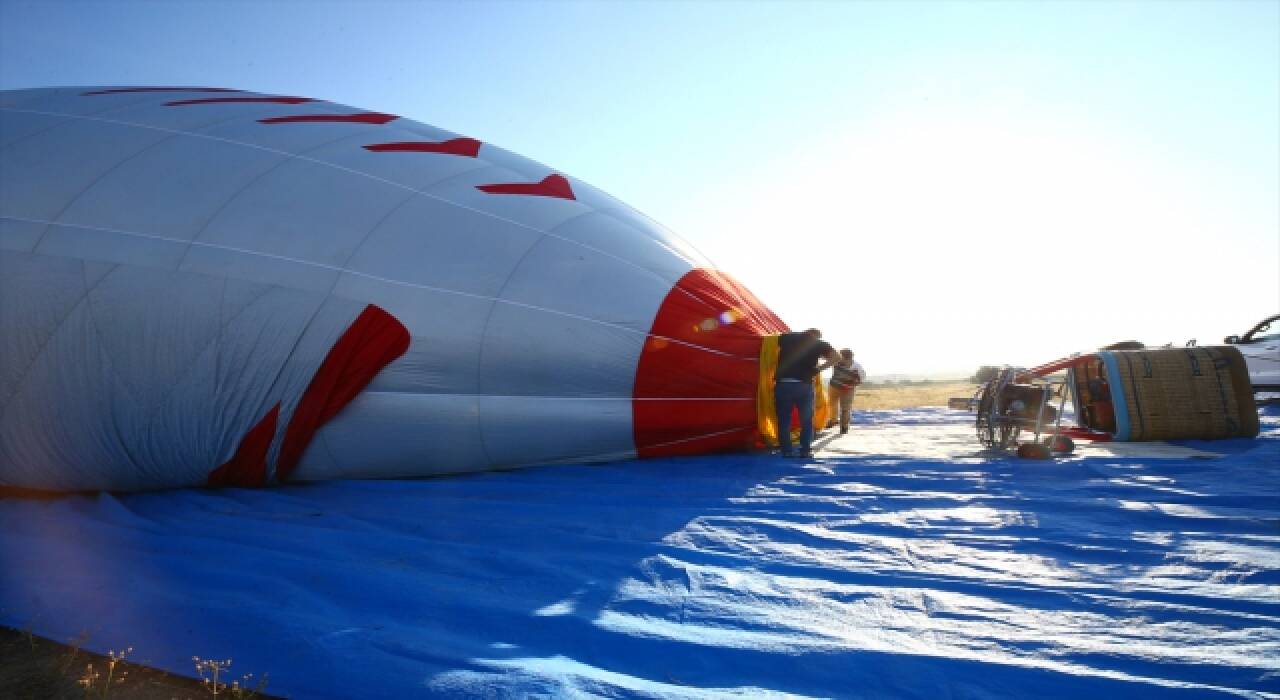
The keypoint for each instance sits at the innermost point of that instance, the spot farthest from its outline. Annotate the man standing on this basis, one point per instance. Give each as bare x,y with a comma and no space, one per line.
799,355
845,378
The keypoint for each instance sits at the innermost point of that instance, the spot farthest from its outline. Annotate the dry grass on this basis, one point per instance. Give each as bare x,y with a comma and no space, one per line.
34,667
877,397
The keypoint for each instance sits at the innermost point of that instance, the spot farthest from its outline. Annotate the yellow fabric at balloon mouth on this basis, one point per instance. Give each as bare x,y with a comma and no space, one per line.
766,410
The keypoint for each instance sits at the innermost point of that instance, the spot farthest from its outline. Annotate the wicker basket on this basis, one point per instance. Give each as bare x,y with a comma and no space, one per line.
1181,393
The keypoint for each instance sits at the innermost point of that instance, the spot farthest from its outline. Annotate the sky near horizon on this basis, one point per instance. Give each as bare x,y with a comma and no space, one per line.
937,185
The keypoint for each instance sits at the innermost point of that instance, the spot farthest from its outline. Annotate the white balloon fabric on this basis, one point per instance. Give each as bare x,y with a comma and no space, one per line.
205,286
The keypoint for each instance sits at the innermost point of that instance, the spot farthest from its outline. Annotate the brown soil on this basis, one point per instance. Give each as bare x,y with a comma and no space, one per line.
35,668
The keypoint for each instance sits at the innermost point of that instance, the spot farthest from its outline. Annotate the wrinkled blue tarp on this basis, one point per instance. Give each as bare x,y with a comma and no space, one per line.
855,575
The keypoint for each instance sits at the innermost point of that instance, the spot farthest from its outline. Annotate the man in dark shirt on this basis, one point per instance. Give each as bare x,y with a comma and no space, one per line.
799,355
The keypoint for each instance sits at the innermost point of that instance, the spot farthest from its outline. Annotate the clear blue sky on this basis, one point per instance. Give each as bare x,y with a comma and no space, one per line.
938,185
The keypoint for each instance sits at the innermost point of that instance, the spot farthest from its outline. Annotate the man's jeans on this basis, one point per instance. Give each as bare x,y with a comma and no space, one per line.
789,395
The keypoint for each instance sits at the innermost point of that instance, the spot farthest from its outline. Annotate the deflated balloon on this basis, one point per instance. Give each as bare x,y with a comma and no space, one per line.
204,286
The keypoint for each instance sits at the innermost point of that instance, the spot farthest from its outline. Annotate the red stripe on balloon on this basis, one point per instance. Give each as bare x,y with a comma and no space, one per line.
370,343
550,186
114,91
359,118
454,147
241,100
695,388
248,466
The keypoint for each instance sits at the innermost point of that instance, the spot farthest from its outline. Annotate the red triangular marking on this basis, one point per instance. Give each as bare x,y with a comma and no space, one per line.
248,466
370,343
230,100
113,91
360,118
454,147
550,186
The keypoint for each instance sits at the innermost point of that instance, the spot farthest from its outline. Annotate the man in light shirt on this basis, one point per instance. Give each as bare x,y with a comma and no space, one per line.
846,375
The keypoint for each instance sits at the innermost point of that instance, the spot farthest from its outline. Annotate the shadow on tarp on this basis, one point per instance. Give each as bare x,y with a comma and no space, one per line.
577,647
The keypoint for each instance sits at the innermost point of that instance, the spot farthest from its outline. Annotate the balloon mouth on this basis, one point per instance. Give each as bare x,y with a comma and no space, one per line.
696,381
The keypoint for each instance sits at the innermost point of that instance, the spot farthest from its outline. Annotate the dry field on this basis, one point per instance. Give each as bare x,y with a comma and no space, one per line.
876,397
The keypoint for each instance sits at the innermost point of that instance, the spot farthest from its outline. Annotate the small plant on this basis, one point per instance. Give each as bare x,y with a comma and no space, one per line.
89,680
73,650
212,673
115,660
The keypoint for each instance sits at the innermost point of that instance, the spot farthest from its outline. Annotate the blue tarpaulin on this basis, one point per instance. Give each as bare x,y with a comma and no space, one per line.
902,562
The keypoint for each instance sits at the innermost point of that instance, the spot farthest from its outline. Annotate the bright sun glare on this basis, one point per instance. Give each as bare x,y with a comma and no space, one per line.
935,244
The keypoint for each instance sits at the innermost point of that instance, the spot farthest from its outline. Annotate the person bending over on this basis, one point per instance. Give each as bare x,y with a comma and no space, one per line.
801,356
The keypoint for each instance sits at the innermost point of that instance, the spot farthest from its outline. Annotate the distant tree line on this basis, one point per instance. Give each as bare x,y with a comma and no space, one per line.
985,374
